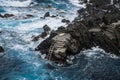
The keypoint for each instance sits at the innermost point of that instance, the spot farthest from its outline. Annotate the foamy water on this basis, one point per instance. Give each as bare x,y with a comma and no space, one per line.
16,3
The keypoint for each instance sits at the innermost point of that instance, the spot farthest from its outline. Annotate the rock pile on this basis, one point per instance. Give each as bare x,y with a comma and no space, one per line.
96,25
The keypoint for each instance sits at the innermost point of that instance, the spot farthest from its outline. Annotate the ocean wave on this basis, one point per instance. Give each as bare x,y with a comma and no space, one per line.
27,3
15,3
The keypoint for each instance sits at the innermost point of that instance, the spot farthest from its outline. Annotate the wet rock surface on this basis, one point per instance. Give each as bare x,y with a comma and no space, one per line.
6,15
15,16
47,14
96,25
65,21
1,49
43,34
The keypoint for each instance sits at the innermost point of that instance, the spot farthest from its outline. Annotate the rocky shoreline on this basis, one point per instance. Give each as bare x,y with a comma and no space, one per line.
96,25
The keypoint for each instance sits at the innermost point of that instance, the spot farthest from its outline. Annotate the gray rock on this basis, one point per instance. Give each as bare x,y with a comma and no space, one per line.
46,28
43,34
47,14
59,47
65,21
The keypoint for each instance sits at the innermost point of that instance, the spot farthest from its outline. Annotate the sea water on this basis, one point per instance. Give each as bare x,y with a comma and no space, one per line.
21,62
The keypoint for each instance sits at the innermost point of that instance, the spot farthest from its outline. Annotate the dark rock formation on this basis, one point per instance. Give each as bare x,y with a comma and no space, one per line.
6,15
43,34
28,16
65,21
46,28
1,49
53,16
47,14
96,25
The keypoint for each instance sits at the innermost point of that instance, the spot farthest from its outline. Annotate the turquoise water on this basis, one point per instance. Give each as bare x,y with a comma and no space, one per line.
2,10
21,62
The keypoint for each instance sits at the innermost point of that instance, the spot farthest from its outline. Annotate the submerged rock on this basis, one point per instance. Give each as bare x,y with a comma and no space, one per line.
6,15
27,16
1,49
53,16
46,28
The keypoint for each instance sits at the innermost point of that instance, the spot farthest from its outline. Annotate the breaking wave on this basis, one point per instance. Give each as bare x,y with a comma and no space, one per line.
27,3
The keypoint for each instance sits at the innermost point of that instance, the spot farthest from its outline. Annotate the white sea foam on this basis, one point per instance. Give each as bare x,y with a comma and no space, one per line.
91,52
19,47
15,3
95,50
77,3
52,22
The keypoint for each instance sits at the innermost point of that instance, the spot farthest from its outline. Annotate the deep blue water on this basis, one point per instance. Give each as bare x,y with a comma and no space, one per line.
21,62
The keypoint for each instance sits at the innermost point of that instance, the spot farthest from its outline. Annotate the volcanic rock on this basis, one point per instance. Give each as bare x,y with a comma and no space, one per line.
65,21
47,14
96,25
6,15
1,49
43,34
